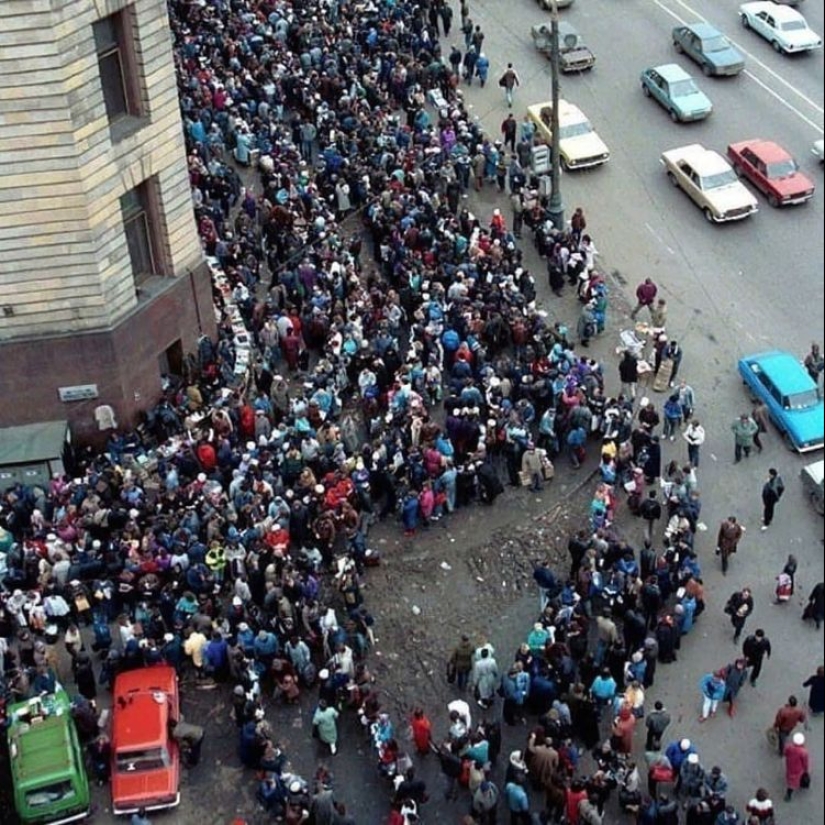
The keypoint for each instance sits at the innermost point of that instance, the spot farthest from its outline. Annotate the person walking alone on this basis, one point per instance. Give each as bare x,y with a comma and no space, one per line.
694,434
755,648
739,606
645,296
772,491
797,766
744,430
727,541
509,80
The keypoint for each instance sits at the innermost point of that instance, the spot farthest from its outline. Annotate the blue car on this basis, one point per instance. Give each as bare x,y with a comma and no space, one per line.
792,397
672,87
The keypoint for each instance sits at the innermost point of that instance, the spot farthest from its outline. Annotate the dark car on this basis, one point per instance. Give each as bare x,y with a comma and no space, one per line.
709,48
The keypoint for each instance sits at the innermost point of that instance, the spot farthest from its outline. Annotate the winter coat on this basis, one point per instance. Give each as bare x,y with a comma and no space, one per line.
796,763
462,658
485,678
712,687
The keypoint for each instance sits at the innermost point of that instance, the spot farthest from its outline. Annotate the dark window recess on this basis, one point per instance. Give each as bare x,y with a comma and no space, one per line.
115,47
138,226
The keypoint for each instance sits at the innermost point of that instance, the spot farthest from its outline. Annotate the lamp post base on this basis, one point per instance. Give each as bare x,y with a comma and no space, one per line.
555,211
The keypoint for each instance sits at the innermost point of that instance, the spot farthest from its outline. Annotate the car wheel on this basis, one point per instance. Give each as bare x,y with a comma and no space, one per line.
707,69
674,115
777,46
773,201
708,214
645,90
745,23
678,46
672,178
818,503
786,438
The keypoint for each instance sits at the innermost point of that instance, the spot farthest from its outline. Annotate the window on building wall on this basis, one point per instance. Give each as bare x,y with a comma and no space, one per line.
115,45
141,225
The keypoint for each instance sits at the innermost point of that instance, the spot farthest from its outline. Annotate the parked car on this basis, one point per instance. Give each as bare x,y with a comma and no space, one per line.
771,170
674,89
813,483
783,27
818,150
710,48
574,54
580,145
790,394
47,763
145,757
709,181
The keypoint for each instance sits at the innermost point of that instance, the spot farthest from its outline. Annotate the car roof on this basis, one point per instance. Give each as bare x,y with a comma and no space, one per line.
784,370
703,30
141,710
765,150
671,72
704,161
778,11
567,111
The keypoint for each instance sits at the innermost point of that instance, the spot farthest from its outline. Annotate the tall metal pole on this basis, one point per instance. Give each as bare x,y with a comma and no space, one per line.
556,209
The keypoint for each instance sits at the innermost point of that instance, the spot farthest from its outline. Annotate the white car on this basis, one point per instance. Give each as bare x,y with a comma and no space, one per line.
783,27
580,145
818,150
710,182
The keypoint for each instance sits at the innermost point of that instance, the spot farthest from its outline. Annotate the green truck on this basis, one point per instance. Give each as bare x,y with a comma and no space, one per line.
48,775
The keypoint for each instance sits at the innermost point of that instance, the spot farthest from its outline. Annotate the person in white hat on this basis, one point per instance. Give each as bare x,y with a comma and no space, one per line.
797,766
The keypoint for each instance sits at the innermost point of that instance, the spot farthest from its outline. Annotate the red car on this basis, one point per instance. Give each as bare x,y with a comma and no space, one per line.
145,757
771,170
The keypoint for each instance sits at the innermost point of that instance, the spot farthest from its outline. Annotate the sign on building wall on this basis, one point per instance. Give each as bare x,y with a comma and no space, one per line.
80,392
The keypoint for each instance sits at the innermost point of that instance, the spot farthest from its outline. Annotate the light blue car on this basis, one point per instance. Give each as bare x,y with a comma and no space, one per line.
792,397
674,89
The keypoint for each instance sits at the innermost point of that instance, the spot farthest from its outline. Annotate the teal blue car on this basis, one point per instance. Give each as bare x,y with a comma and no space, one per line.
674,89
793,399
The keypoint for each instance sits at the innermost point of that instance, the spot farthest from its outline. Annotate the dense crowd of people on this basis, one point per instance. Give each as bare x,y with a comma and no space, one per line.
398,368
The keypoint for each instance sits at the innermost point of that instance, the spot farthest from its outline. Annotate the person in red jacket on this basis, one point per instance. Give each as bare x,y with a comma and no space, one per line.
575,794
207,456
422,731
645,295
796,765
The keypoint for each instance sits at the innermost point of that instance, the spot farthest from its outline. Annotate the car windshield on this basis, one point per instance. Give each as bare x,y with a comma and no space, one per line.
49,794
715,44
147,760
683,88
794,26
801,400
572,130
719,179
782,168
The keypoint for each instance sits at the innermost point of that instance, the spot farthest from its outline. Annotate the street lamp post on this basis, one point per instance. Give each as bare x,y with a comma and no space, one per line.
556,209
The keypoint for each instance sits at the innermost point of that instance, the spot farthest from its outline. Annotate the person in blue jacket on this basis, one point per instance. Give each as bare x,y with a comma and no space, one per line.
712,686
482,68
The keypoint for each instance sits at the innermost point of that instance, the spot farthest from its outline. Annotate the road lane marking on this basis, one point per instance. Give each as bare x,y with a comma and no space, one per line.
815,126
815,106
658,238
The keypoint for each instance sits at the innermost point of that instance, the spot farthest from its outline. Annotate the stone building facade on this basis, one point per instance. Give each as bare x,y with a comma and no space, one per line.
103,286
